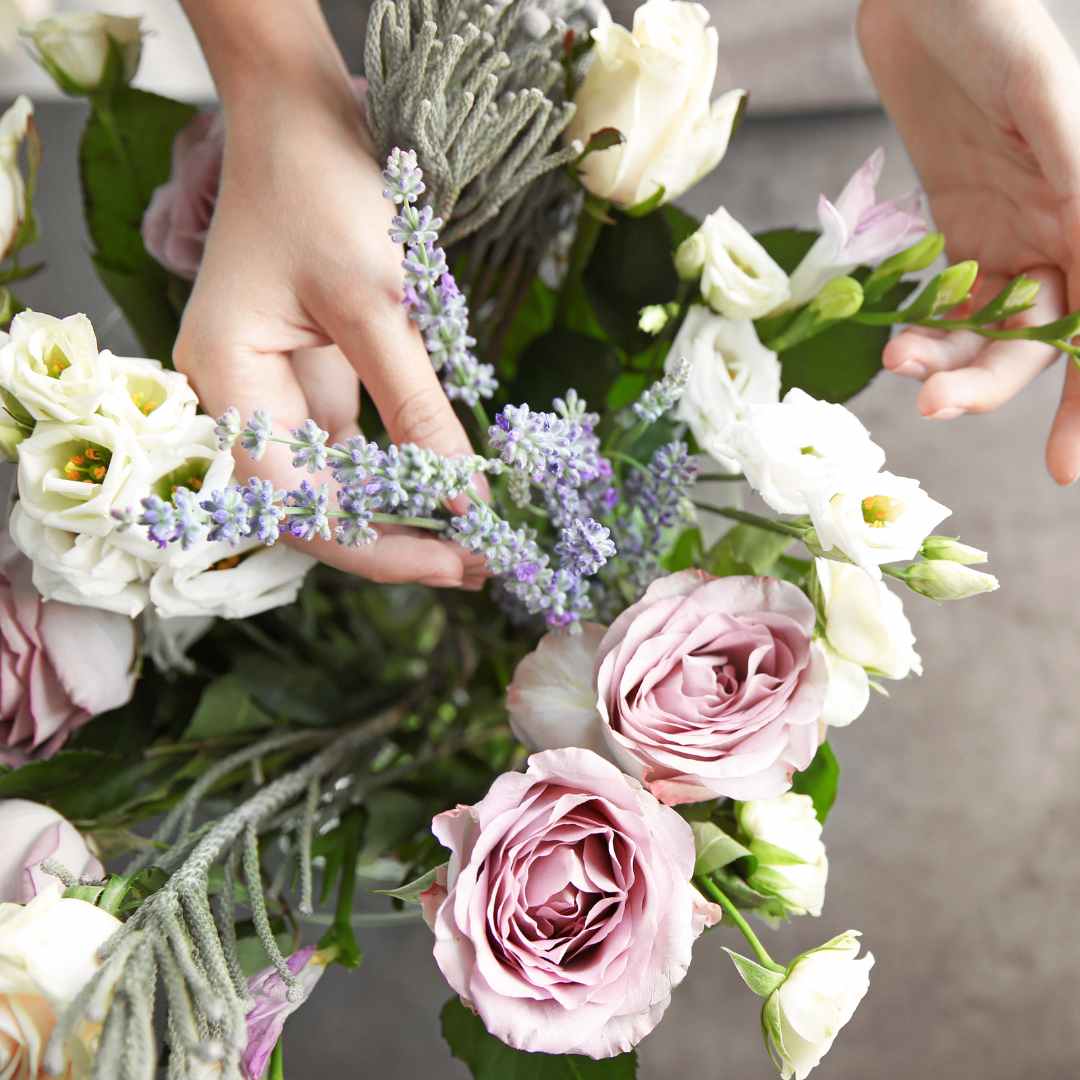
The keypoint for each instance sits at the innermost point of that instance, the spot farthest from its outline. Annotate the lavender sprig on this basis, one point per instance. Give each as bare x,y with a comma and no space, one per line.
664,394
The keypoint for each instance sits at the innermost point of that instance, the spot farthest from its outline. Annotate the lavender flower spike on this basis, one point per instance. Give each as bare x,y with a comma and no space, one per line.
273,1005
256,434
227,428
857,230
664,394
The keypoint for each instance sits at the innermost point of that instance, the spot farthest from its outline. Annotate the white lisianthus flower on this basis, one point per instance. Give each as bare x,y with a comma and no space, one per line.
552,697
229,582
157,404
730,369
819,995
53,368
652,83
739,278
795,452
866,632
71,476
785,835
14,125
876,518
76,568
48,952
166,641
74,48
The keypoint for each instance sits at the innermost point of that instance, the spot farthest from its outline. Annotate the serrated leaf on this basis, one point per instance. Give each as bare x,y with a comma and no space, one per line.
225,708
761,980
490,1059
410,892
820,781
714,848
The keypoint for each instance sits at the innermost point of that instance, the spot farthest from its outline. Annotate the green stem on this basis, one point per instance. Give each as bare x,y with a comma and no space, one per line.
721,478
588,232
627,459
746,518
482,419
714,892
413,522
277,1061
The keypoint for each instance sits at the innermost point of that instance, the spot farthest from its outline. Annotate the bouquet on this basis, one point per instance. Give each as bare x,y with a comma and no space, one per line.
223,759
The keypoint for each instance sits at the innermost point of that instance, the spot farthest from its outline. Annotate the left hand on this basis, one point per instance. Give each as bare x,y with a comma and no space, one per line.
984,94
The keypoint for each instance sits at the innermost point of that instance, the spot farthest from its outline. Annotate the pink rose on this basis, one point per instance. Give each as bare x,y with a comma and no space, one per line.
34,833
176,222
59,664
712,687
569,915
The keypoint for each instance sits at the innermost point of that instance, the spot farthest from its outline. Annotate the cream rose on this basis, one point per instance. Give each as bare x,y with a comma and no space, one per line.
74,48
48,952
739,278
89,571
71,476
14,125
730,369
36,833
652,83
53,368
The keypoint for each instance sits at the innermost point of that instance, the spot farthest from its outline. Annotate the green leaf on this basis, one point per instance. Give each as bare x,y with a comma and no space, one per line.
38,779
680,223
410,892
647,206
820,780
340,936
225,708
746,549
787,246
125,154
714,848
392,818
535,316
604,139
562,359
489,1059
685,552
760,979
631,266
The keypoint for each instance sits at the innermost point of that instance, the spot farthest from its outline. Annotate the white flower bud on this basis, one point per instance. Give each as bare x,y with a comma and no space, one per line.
941,579
88,51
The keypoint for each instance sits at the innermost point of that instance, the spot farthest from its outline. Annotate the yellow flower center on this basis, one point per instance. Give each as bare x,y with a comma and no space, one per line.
880,510
190,475
89,463
56,362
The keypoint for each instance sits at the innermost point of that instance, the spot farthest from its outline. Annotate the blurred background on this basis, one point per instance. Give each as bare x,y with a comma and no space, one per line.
954,844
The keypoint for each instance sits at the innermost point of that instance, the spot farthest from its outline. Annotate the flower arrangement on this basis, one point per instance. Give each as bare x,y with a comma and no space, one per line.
623,743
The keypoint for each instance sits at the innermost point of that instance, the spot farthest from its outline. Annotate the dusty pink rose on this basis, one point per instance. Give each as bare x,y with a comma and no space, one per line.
176,222
713,687
59,664
272,1006
569,915
33,833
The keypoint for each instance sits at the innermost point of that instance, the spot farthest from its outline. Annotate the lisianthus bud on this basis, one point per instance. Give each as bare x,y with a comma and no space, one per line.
840,299
15,125
919,256
87,52
956,284
941,579
950,549
785,836
690,257
653,319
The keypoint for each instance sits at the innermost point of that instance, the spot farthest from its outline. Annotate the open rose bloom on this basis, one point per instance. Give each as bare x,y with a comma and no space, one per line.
568,915
713,687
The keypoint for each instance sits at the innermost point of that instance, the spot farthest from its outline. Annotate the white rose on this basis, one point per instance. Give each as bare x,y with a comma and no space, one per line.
14,125
739,278
74,48
76,568
730,369
797,450
819,995
48,951
876,518
785,835
157,404
653,85
552,698
52,366
71,476
229,582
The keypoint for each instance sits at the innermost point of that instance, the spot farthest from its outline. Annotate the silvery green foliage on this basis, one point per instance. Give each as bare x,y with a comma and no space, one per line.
475,93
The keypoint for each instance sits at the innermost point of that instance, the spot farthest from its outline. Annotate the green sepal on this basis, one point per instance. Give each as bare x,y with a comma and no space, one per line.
761,980
647,206
714,847
411,891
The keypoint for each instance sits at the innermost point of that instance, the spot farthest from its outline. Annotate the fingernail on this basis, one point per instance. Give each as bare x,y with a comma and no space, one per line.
951,413
912,369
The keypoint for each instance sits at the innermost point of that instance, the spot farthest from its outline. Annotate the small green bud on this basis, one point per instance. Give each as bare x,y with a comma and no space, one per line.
919,256
690,257
653,318
951,550
839,299
10,437
955,283
941,579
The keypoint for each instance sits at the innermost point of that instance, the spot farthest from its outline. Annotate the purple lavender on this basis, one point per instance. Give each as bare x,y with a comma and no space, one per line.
255,435
664,394
309,450
227,428
159,517
228,515
584,547
434,301
307,511
265,509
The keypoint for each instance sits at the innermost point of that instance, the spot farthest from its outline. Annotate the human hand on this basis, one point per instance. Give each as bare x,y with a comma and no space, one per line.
298,301
984,96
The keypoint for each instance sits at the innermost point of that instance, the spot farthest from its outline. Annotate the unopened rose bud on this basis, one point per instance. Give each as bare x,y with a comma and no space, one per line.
941,579
951,550
88,52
